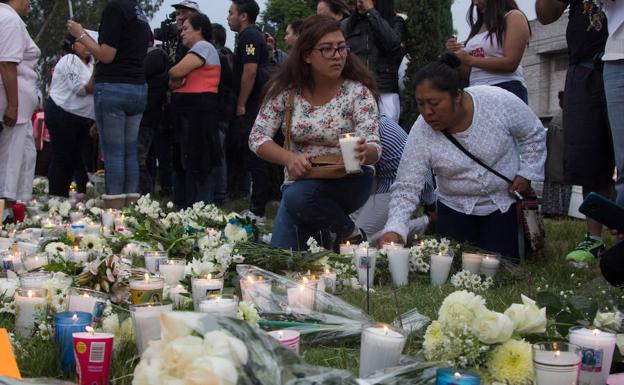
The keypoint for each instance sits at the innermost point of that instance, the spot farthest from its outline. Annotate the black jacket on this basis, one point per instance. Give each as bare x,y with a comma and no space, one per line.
378,45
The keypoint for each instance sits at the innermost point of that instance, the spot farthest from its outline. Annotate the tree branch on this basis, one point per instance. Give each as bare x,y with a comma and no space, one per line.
47,21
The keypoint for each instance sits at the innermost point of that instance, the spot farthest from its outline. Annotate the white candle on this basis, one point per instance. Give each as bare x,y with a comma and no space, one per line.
78,255
223,305
27,248
347,249
471,262
365,260
489,265
93,228
556,367
597,349
36,280
301,298
88,301
75,216
78,227
175,294
146,320
108,217
348,142
120,223
256,290
398,260
173,270
35,261
147,290
153,259
329,278
30,303
12,260
287,338
381,348
201,287
440,268
6,243
47,227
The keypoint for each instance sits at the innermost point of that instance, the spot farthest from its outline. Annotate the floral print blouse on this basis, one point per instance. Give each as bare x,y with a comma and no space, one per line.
315,129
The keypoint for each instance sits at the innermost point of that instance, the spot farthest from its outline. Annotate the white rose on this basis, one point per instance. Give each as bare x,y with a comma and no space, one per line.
611,321
224,345
150,371
527,318
180,352
211,370
235,233
178,324
460,308
491,327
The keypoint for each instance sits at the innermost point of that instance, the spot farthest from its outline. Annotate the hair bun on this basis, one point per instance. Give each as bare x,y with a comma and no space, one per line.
450,60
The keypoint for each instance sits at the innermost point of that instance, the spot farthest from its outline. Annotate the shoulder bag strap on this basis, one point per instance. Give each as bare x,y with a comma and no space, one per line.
288,118
453,140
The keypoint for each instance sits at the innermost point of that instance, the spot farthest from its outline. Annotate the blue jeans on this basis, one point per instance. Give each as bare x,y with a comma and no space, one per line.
310,206
515,87
613,75
118,111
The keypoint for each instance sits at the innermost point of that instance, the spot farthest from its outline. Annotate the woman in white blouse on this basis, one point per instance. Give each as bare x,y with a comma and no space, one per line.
69,113
333,93
474,205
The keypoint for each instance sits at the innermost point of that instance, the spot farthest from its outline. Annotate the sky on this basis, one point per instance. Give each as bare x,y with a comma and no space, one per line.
217,12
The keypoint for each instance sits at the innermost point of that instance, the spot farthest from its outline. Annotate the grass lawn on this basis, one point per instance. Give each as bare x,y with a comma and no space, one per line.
548,272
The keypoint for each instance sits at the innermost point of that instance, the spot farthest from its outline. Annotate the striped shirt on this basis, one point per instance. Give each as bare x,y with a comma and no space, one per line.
393,139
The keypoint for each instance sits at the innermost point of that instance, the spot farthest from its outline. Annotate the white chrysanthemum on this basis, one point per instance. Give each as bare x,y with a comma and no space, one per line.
91,242
235,233
57,249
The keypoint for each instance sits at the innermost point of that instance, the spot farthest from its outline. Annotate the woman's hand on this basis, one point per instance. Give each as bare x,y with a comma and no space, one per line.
390,237
176,83
452,45
10,116
298,165
522,186
360,151
75,29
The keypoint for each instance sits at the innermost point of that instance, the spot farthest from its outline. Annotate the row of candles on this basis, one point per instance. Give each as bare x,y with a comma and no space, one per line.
399,259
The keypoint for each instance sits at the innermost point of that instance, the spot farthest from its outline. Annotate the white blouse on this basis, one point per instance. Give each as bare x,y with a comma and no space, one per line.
69,79
505,134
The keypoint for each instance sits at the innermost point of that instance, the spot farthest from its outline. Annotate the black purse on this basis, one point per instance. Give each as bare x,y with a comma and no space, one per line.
530,214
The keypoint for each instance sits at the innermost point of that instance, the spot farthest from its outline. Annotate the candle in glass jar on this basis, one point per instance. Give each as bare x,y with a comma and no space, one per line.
556,363
381,348
365,260
347,249
35,261
348,142
329,278
220,304
175,294
440,268
449,376
78,255
30,303
204,286
146,322
301,298
35,280
89,301
153,260
147,290
173,270
120,223
287,338
256,290
471,262
398,260
65,324
489,265
597,349
108,217
93,228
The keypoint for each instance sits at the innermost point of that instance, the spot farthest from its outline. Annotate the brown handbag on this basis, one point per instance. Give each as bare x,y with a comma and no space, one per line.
323,166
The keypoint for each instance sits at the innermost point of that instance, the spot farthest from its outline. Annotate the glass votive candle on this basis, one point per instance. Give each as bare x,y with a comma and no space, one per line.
556,363
146,322
220,304
34,280
202,287
86,300
12,260
30,303
172,270
450,376
381,348
146,290
36,261
153,260
489,265
256,290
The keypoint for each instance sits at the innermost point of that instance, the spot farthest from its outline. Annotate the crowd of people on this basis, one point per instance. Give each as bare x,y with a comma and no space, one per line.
205,123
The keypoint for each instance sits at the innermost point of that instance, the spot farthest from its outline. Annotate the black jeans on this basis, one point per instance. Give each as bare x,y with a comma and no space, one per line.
497,232
69,136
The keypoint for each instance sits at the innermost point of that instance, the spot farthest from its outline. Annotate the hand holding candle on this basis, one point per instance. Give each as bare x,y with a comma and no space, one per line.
352,153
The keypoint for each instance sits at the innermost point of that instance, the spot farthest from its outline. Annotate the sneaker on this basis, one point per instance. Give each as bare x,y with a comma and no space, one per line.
587,250
249,214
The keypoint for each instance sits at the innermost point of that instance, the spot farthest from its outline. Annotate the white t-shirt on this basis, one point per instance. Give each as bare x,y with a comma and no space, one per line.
16,46
68,86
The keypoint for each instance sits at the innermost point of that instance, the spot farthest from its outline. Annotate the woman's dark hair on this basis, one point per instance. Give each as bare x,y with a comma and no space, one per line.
296,73
493,17
67,44
442,74
201,22
296,25
218,34
338,7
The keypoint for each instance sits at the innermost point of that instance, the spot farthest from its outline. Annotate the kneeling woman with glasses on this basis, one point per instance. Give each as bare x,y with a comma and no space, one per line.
332,94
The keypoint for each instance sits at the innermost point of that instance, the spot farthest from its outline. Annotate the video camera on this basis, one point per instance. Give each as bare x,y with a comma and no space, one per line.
168,32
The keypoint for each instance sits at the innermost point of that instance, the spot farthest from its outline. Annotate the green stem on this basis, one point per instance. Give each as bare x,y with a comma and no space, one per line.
288,324
174,243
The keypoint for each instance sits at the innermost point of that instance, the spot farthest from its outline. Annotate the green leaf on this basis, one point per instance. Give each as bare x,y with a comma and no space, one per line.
585,307
565,320
551,301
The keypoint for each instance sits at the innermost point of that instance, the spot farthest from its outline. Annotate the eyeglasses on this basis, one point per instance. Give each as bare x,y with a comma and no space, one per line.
330,52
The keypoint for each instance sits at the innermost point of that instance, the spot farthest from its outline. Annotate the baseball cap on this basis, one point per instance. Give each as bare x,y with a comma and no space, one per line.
189,4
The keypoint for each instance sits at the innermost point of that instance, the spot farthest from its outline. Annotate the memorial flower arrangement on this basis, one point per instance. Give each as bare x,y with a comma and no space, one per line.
465,280
469,335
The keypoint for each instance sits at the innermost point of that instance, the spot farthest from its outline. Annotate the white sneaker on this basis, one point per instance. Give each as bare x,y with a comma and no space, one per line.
249,214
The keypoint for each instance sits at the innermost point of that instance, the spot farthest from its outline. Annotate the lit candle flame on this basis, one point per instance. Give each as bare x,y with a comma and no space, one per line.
280,334
386,330
250,279
147,278
86,295
595,332
179,286
348,243
305,280
326,271
208,276
75,317
457,375
301,287
90,330
557,354
29,293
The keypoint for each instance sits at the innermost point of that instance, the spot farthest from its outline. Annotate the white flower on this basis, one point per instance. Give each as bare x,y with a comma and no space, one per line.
459,309
211,370
220,343
64,209
610,320
169,205
247,312
182,351
150,370
91,242
96,211
235,233
527,318
491,327
57,249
